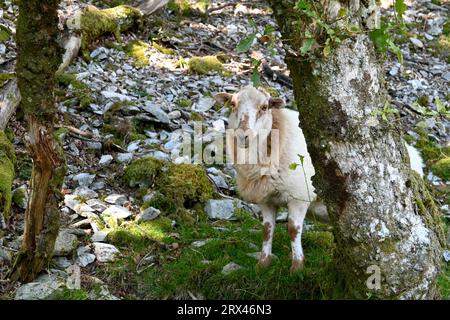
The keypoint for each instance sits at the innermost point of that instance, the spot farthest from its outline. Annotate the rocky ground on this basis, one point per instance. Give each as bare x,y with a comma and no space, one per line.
122,116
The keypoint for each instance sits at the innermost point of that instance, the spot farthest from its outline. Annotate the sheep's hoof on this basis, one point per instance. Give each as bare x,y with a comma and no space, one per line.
264,262
297,265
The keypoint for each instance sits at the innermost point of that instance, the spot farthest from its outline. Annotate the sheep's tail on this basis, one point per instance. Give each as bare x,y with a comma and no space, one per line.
317,211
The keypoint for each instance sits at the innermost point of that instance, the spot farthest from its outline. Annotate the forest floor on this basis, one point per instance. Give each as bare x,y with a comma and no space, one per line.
136,223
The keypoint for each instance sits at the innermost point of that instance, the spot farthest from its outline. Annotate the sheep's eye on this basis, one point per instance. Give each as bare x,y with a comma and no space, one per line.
264,107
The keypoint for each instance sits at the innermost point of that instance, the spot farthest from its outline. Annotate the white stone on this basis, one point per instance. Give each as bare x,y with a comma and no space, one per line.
105,252
117,212
105,160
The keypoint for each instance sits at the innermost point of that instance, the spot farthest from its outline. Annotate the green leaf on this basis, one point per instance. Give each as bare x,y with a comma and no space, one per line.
256,78
301,157
400,8
326,50
395,50
307,45
246,43
380,38
268,29
293,166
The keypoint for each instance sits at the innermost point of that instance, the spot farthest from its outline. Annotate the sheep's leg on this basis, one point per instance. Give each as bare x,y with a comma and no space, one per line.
297,212
268,213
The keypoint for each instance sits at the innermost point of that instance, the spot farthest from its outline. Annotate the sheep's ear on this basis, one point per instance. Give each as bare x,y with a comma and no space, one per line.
223,97
276,103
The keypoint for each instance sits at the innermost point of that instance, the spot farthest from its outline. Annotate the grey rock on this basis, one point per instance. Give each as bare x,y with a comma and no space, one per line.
20,196
115,96
219,181
200,243
416,42
40,289
62,262
105,160
5,256
117,212
65,244
105,252
220,209
124,157
84,179
99,236
204,104
133,146
85,257
176,114
97,205
156,111
85,192
94,145
231,267
446,255
148,214
118,199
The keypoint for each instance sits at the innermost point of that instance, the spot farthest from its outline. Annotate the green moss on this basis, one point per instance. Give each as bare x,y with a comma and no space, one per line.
143,171
137,50
185,103
5,77
7,160
195,116
185,184
180,7
79,89
205,65
68,294
163,49
5,33
96,22
429,150
442,168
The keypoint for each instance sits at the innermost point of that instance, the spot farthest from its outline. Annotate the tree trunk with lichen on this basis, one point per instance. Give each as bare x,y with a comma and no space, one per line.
39,56
384,218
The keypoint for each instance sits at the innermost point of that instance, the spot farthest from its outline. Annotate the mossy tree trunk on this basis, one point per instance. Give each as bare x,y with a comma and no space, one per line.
384,218
39,56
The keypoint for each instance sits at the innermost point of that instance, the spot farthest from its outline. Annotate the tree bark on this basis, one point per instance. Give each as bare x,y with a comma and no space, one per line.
39,56
384,218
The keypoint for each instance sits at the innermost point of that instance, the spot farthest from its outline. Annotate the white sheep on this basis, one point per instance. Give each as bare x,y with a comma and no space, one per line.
271,183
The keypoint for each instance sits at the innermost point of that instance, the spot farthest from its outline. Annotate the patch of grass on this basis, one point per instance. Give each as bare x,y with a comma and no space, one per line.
68,294
139,236
198,270
185,103
442,169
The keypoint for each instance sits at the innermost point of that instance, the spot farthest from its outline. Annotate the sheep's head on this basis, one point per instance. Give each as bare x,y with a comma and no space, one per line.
251,113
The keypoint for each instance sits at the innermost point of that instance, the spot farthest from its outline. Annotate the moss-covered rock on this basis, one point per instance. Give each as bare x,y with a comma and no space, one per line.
80,90
143,171
5,33
7,160
138,49
4,77
162,49
185,184
205,65
96,22
442,169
